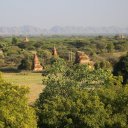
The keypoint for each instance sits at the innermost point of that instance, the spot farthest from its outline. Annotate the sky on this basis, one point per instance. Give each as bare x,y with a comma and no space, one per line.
49,13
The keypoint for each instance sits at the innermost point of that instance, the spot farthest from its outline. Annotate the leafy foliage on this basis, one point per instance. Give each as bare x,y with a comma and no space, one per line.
58,65
14,40
14,109
100,49
121,68
83,98
26,64
74,97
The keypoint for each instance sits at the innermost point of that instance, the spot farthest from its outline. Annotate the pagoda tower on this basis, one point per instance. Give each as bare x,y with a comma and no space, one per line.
37,66
26,40
54,52
82,58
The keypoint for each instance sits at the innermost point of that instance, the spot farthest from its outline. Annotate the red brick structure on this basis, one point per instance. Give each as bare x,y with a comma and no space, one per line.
82,58
26,40
37,66
54,52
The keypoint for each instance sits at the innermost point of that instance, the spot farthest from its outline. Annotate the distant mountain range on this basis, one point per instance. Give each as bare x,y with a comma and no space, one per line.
58,30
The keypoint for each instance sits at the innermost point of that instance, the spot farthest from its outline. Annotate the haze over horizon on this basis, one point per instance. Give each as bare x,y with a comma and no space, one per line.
47,13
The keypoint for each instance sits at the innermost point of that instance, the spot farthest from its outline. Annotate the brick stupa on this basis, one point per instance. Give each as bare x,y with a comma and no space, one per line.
82,58
54,52
26,40
37,66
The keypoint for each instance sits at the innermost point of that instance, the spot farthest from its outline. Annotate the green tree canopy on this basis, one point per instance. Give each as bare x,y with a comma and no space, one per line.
26,63
121,68
14,40
14,109
83,98
58,66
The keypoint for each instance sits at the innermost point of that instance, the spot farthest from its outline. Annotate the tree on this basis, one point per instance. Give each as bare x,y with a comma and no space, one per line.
115,100
101,46
14,109
58,66
14,40
64,103
121,68
26,64
103,64
110,47
89,78
71,100
82,98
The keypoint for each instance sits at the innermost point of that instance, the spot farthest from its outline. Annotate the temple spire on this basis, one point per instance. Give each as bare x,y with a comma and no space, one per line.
82,58
37,66
54,52
26,40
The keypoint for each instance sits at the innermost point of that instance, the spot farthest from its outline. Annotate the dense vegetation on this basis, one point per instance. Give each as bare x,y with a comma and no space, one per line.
121,68
105,51
80,97
75,96
14,109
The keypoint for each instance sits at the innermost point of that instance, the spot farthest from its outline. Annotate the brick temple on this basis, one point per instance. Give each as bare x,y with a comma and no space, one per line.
82,58
37,66
26,40
54,52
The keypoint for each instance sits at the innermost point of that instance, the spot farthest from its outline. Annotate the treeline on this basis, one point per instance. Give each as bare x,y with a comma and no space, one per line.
105,51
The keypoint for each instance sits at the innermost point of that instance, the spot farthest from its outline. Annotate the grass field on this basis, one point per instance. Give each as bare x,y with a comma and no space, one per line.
31,80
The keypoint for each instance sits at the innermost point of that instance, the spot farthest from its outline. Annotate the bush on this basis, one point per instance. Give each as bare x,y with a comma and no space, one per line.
121,68
14,109
82,98
26,64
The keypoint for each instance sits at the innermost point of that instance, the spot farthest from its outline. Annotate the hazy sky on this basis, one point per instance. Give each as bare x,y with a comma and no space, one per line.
48,13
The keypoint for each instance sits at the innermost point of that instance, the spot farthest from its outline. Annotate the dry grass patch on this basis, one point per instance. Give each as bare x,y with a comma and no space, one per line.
27,79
